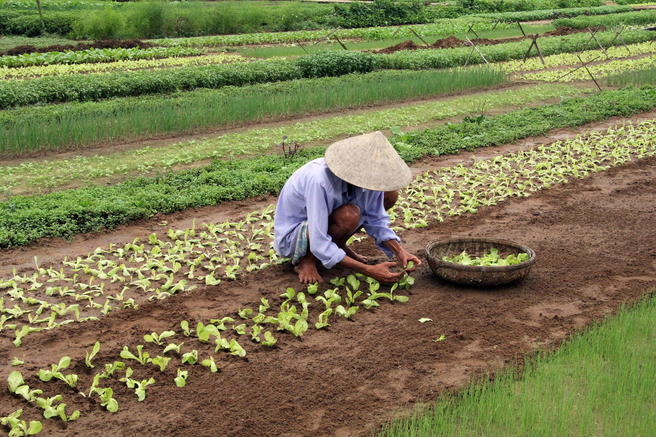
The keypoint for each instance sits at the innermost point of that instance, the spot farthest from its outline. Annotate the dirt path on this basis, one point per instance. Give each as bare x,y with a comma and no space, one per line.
594,250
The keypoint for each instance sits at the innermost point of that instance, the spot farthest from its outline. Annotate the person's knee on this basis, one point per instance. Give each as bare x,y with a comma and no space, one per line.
390,198
346,217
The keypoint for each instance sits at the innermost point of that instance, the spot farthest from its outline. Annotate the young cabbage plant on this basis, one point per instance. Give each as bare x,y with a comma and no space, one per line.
160,362
210,364
190,357
313,288
240,329
204,332
255,333
236,349
324,319
17,386
54,407
17,362
23,332
184,325
158,339
221,323
90,355
181,378
141,357
245,313
18,427
264,305
177,348
139,387
269,340
107,400
55,371
347,313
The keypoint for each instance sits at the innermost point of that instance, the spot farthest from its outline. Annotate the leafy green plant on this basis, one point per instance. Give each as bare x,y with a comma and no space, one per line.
18,427
158,339
107,400
90,355
181,378
190,357
17,386
491,258
210,364
139,387
161,362
56,371
54,407
141,356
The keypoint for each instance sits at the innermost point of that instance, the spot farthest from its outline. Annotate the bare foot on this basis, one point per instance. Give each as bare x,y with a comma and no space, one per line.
356,256
307,271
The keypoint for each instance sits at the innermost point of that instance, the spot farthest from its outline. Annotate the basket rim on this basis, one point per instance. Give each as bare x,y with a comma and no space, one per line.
437,262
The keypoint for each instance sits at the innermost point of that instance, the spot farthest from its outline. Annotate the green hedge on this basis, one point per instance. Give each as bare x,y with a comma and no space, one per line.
524,5
30,25
637,17
24,220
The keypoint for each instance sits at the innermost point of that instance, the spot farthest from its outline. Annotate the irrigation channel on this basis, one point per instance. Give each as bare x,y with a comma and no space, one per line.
593,255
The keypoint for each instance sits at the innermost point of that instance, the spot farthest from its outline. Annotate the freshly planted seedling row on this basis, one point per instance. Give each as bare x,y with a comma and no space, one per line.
490,259
292,312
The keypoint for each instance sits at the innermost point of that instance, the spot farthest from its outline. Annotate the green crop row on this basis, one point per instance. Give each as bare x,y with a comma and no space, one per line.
72,125
35,177
423,59
23,220
639,78
444,27
564,59
94,55
637,17
101,86
599,71
7,73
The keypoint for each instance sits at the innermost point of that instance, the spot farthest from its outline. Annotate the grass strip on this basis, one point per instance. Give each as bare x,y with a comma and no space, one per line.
610,20
74,125
34,177
638,78
600,382
548,14
62,214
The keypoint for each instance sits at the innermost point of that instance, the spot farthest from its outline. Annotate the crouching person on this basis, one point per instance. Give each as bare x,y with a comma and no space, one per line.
328,199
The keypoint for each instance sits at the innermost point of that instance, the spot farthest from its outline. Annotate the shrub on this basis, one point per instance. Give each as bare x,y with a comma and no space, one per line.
336,63
381,13
30,25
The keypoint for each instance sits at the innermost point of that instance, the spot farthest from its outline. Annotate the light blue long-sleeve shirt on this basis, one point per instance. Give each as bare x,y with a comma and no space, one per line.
311,194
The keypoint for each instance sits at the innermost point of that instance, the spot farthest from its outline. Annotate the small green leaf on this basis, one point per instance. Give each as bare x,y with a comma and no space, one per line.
425,319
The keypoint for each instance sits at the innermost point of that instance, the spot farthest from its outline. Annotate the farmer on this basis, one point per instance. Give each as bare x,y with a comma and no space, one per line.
327,200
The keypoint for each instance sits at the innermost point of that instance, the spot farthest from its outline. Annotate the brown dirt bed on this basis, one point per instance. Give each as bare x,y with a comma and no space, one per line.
594,253
100,44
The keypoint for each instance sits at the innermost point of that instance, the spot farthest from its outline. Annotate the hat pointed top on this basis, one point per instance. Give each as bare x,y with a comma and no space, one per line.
368,161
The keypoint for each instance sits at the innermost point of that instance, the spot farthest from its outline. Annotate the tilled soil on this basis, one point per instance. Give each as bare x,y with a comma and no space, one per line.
595,251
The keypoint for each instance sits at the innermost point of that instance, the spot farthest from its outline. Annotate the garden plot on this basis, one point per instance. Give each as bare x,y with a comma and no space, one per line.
336,364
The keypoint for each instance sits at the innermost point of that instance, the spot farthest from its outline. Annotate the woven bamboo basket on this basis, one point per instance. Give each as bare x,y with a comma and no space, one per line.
482,276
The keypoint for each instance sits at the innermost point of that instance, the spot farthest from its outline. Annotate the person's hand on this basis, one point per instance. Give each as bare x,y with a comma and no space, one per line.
405,257
382,273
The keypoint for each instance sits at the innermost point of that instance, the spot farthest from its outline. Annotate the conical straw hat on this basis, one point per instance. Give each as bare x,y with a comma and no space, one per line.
368,161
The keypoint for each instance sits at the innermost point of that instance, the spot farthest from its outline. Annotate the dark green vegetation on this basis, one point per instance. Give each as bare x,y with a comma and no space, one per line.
72,125
23,220
599,383
103,86
636,18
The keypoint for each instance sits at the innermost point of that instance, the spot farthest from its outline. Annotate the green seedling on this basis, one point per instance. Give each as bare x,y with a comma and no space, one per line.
18,427
158,339
210,363
424,320
324,319
184,325
245,313
55,371
347,313
204,332
21,333
440,338
107,400
269,340
160,362
221,323
236,349
240,329
264,305
177,348
54,407
111,368
17,362
139,387
190,357
491,258
17,386
255,333
141,357
312,289
91,355
181,378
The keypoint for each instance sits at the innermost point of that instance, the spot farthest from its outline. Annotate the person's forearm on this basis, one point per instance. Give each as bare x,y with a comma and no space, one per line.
394,246
352,264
